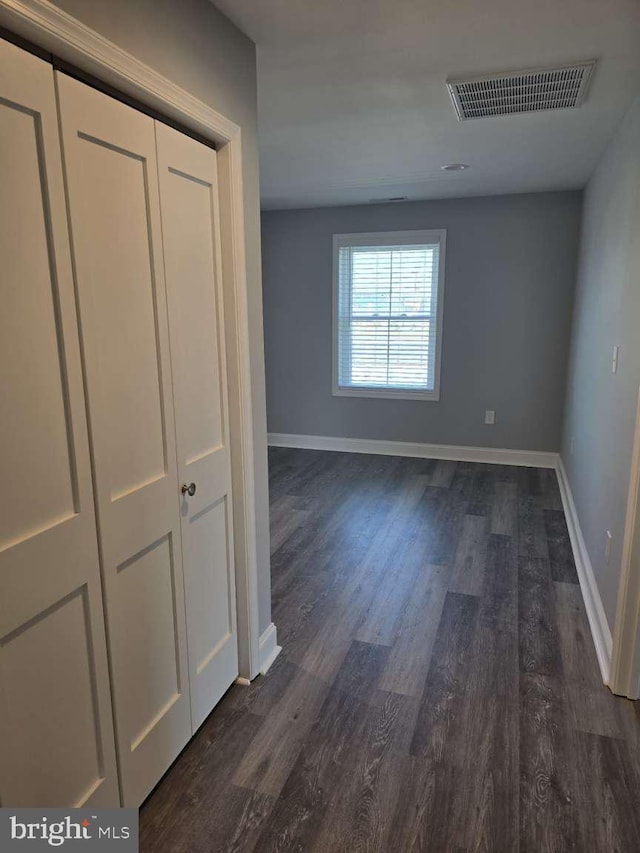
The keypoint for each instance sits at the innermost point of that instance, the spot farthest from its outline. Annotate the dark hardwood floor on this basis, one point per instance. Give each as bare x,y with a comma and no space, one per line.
438,689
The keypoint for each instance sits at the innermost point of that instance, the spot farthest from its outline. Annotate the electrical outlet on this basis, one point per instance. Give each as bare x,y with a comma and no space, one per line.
607,547
614,360
490,417
572,443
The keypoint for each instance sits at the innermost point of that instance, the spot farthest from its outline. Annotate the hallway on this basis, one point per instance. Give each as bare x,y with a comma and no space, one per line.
438,689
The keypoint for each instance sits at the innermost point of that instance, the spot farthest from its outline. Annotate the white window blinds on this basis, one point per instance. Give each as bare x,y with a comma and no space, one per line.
388,313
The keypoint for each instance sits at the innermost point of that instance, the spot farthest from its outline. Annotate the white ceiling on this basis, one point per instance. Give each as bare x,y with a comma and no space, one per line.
352,102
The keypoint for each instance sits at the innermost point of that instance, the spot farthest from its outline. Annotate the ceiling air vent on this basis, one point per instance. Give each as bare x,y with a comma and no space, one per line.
521,91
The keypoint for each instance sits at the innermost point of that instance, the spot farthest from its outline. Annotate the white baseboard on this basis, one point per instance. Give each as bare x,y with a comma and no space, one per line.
269,648
600,630
496,456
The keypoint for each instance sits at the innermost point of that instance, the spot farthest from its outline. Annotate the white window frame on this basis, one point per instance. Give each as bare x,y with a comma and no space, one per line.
385,238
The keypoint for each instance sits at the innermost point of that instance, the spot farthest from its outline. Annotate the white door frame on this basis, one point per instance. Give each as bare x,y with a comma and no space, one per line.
54,30
625,660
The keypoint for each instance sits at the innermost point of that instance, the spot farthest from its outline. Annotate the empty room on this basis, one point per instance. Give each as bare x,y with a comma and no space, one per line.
320,426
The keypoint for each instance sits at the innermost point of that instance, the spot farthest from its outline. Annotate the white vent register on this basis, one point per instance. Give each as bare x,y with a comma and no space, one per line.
521,91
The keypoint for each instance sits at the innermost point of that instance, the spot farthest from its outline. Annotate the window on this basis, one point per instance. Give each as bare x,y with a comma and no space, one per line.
388,294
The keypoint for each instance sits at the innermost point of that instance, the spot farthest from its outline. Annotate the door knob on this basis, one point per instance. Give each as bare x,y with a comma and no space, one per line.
189,489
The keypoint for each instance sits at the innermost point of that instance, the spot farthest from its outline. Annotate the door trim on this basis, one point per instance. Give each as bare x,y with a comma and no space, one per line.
625,660
54,30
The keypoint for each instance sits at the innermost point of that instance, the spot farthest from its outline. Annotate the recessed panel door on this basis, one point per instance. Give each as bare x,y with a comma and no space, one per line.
188,195
56,728
110,157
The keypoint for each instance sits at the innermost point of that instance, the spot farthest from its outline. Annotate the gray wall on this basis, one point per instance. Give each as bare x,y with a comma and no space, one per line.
191,43
510,276
601,406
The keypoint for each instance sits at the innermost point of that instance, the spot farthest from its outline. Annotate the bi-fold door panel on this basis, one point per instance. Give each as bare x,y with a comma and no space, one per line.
190,224
110,157
56,728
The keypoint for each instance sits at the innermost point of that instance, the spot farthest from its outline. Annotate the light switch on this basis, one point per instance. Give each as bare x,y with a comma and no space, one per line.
607,547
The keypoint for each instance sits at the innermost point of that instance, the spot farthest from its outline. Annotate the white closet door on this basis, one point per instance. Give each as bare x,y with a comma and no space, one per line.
189,195
110,158
56,729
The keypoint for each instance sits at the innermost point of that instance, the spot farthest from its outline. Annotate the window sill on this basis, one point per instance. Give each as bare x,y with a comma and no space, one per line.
387,393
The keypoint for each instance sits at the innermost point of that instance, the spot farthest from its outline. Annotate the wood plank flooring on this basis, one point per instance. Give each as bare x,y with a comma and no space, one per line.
438,689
